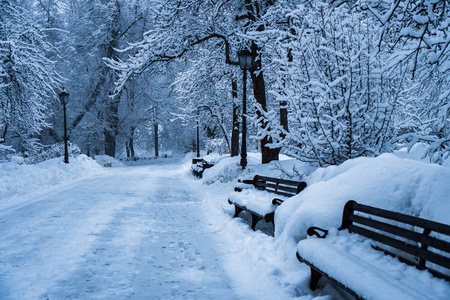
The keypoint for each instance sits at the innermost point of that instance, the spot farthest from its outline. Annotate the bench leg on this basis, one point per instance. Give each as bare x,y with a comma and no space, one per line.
315,276
270,218
255,220
237,211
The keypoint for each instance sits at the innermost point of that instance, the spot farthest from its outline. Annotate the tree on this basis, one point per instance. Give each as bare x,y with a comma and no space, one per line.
28,79
334,83
95,29
203,89
418,36
183,27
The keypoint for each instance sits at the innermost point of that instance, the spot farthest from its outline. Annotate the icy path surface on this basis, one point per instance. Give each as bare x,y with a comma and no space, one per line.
130,233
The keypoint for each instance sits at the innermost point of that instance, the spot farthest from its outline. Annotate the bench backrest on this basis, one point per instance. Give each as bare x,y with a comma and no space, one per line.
198,160
415,241
278,186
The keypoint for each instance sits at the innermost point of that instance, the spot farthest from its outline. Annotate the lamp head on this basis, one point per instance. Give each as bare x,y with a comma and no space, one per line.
64,97
246,59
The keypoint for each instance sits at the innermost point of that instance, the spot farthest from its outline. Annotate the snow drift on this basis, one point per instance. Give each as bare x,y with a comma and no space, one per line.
387,182
17,178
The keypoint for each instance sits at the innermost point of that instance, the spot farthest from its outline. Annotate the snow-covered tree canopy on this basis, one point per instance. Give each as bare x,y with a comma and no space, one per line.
332,80
28,78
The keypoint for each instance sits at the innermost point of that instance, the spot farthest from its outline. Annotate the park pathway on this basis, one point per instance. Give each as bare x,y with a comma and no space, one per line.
136,232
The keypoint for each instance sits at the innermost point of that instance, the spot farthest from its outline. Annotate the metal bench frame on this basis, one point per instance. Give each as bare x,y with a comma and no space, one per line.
283,187
203,166
410,244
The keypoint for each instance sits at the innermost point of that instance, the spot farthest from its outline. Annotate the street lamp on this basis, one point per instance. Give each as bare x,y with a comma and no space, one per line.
64,98
246,59
198,133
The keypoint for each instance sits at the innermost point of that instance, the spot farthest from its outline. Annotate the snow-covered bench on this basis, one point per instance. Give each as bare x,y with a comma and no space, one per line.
256,196
380,254
199,165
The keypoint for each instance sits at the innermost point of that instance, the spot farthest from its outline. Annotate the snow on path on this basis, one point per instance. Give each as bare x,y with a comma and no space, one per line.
130,233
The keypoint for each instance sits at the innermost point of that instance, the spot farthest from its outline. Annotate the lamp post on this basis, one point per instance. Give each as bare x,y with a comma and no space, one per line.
245,61
198,135
64,98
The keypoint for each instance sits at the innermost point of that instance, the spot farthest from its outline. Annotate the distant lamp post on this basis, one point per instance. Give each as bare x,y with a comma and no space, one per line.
198,134
246,59
64,98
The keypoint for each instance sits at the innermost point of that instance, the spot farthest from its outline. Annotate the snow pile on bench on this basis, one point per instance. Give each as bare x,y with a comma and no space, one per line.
350,259
255,200
387,182
17,178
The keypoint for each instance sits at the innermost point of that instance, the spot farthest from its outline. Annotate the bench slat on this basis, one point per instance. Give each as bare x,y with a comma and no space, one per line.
409,234
282,187
419,222
403,246
277,180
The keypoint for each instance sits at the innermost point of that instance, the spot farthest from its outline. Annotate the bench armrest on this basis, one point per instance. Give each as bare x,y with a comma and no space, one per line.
315,231
247,181
277,201
243,184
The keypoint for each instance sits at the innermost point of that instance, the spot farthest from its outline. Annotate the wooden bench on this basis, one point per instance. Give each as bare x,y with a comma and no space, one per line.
260,204
415,241
199,165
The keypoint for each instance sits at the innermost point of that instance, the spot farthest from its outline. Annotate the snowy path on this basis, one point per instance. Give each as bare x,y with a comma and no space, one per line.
130,233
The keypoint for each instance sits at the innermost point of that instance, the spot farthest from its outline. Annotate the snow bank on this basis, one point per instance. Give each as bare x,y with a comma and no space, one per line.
388,182
228,169
17,178
261,263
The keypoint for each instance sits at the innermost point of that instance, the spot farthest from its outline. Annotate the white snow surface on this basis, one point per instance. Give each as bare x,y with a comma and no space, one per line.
138,232
388,182
255,200
351,260
108,161
128,233
151,230
17,178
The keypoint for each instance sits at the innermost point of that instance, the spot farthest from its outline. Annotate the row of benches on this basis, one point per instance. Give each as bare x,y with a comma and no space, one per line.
418,242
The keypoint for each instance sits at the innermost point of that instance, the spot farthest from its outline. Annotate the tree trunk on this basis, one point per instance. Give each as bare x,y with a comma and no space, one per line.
3,138
112,130
235,130
112,118
259,92
110,143
127,147
131,142
283,104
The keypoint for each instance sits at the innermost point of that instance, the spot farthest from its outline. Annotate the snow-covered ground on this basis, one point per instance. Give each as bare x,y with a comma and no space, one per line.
150,230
